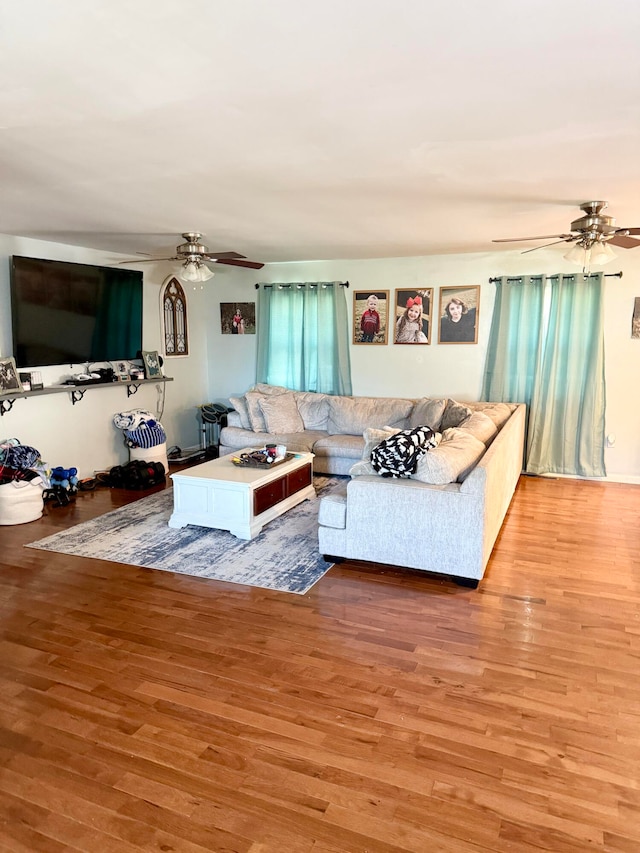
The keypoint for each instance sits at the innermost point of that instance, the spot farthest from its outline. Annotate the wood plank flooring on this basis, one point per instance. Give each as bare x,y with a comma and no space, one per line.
384,711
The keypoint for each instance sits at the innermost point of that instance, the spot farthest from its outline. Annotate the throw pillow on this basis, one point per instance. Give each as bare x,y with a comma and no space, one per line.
240,405
498,412
452,460
481,426
256,418
281,414
453,415
313,408
373,437
427,412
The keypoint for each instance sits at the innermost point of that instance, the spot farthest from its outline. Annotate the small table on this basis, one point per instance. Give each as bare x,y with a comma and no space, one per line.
240,499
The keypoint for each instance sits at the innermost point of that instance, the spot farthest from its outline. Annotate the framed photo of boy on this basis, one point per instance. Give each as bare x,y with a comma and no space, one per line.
9,379
413,316
459,311
151,363
370,316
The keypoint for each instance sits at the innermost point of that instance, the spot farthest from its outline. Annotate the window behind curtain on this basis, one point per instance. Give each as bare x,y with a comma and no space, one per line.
303,337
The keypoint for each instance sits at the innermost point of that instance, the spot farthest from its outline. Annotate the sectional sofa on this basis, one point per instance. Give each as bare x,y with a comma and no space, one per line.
445,518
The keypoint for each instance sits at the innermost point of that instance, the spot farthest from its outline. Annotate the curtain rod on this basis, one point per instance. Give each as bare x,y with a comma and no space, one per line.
564,275
312,283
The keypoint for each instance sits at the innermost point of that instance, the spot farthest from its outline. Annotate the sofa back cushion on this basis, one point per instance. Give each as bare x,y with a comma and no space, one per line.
481,426
455,456
240,405
453,415
281,413
352,415
313,408
427,412
498,412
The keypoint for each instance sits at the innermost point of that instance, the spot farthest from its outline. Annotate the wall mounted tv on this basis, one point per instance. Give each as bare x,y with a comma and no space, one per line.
66,313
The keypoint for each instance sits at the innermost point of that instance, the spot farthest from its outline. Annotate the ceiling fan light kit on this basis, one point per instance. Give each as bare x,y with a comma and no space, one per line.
195,271
591,234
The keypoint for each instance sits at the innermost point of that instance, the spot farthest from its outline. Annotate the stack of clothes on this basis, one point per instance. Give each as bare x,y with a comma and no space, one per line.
23,477
140,429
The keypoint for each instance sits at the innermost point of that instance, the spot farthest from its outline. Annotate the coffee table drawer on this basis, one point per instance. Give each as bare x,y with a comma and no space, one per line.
297,480
267,496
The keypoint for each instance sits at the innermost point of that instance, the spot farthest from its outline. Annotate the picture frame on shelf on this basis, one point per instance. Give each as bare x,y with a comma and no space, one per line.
459,314
370,316
9,380
411,327
151,361
121,370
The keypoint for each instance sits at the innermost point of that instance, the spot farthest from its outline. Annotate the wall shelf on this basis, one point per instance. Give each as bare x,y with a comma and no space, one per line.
76,392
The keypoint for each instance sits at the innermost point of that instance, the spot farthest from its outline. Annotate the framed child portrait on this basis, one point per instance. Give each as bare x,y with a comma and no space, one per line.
459,312
413,316
370,316
151,361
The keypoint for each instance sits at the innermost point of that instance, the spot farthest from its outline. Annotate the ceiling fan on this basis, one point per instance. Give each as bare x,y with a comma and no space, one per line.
591,234
196,256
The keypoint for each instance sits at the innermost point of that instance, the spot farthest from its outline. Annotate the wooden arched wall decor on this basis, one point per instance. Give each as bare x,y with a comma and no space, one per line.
174,318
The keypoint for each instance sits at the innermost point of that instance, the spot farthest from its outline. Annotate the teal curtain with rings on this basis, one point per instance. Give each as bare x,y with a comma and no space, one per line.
546,349
303,337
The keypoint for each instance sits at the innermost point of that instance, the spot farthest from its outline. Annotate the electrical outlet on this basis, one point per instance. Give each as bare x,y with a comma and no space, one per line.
611,440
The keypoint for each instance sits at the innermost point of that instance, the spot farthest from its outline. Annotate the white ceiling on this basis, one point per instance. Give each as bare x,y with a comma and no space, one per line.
300,129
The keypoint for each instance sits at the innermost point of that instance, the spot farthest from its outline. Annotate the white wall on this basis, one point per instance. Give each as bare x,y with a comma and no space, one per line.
452,370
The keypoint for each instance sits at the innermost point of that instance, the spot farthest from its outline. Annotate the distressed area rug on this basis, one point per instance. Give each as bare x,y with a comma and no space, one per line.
284,556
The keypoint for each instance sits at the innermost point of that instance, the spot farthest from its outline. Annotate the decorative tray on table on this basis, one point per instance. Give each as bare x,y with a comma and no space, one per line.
259,459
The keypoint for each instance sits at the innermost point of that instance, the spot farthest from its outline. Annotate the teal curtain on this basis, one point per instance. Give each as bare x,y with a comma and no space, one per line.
546,349
118,329
303,337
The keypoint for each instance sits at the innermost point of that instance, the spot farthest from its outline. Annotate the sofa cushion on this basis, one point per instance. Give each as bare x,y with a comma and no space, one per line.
481,426
453,414
372,438
339,446
427,412
333,510
240,405
362,468
313,408
455,456
498,412
297,442
281,413
352,415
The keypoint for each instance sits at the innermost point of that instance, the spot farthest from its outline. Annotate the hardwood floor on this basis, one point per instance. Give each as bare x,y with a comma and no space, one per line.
384,711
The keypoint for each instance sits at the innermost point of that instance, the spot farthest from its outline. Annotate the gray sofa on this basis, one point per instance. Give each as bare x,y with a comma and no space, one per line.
444,519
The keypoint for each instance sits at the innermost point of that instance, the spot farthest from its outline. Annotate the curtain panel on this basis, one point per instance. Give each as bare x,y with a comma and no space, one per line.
546,349
303,337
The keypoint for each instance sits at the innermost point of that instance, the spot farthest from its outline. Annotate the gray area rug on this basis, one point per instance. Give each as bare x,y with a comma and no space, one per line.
284,556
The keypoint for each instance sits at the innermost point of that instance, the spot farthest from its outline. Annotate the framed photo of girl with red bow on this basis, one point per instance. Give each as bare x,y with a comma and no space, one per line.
413,316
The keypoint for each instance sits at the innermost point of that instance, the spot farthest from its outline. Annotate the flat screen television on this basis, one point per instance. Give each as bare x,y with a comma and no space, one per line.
67,313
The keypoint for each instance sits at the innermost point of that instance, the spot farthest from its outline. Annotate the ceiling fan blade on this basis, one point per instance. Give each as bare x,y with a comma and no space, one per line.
555,243
545,237
238,263
144,261
214,256
624,241
630,230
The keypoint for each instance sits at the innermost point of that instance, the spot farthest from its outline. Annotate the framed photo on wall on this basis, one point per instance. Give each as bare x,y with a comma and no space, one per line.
370,316
238,318
151,361
9,379
413,316
458,317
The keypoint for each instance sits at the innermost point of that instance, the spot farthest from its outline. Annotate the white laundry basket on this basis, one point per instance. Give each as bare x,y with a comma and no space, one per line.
21,501
158,453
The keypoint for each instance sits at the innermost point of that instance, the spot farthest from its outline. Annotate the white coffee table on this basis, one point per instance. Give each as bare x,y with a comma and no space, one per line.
240,499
